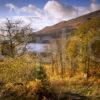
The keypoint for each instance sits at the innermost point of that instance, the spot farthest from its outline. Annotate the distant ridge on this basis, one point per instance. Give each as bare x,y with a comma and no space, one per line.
68,25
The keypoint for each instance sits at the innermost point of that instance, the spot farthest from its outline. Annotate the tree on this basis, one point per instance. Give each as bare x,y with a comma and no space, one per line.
58,52
14,36
81,49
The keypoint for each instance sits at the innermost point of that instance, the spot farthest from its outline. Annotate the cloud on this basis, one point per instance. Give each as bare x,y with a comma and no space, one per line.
32,9
84,10
28,9
59,10
11,6
52,9
81,11
94,6
52,13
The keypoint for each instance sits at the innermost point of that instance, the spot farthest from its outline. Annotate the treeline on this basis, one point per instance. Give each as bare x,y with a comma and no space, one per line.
80,52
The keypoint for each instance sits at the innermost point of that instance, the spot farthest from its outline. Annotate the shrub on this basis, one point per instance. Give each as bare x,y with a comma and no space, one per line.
39,73
40,87
39,90
13,92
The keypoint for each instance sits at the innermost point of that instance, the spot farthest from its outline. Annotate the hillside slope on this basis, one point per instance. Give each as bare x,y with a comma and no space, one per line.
68,25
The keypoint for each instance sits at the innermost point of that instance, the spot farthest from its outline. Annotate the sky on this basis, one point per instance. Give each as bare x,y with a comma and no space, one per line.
42,13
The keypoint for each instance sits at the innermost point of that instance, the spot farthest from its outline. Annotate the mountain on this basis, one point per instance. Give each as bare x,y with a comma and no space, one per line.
70,25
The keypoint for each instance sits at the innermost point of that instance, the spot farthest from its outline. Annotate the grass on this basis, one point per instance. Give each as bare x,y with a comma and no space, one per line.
16,70
78,86
19,71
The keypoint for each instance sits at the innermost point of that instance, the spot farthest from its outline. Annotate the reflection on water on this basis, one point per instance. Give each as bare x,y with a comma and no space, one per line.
38,47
